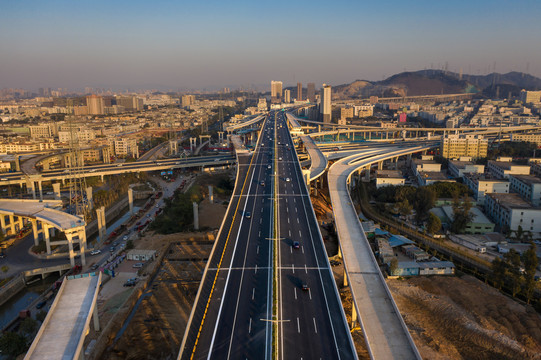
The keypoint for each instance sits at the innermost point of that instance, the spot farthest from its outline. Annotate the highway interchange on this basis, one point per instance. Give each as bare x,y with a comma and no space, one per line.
234,316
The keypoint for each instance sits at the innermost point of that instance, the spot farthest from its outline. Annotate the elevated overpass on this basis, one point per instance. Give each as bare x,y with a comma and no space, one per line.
63,331
249,122
386,334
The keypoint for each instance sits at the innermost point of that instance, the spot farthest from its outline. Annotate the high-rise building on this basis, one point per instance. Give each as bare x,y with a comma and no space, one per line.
530,97
276,89
311,92
287,96
454,146
325,105
299,91
95,105
188,100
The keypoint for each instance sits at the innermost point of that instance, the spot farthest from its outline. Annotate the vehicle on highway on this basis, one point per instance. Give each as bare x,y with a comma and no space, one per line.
41,304
112,249
125,237
280,158
119,165
248,215
137,265
94,267
288,179
305,287
296,245
268,167
95,252
4,179
262,183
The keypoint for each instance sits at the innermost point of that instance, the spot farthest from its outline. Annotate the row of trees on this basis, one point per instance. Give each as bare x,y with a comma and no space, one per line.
422,199
509,272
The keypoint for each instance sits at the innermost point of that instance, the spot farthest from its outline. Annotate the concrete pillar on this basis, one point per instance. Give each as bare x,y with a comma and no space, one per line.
173,147
367,174
33,189
353,316
102,226
130,200
102,178
40,188
306,176
89,197
211,194
380,165
17,163
69,237
46,165
35,231
12,224
96,318
195,216
47,237
82,245
3,223
56,190
20,221
221,137
193,144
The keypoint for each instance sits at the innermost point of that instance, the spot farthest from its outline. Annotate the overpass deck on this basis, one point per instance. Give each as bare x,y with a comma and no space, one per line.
41,211
385,332
319,161
63,331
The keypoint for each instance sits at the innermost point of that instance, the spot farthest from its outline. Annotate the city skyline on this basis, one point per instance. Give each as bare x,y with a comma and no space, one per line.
208,46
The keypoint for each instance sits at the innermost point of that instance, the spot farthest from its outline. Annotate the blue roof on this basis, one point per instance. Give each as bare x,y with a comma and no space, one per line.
399,240
381,232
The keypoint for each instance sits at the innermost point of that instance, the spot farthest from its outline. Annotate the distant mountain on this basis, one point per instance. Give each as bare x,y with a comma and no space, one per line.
435,82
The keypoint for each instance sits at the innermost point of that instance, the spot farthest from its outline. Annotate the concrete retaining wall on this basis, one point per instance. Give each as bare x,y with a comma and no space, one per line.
11,288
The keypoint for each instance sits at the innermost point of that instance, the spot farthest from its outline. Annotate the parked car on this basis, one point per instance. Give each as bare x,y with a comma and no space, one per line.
95,252
137,265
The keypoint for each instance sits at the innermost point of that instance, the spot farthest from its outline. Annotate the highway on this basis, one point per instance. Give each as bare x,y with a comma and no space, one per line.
238,313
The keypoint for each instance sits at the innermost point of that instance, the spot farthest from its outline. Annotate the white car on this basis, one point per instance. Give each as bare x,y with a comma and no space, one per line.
125,237
288,179
95,252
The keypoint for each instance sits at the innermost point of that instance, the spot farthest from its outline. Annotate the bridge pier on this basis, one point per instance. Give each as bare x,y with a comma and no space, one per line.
130,200
102,227
47,237
380,165
195,216
56,190
193,144
40,188
221,137
173,147
35,231
12,224
89,197
17,163
211,195
3,224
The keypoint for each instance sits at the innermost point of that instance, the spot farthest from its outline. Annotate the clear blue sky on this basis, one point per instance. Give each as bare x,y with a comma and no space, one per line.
204,44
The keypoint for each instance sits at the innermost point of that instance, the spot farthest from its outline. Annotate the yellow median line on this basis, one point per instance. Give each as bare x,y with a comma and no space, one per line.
221,259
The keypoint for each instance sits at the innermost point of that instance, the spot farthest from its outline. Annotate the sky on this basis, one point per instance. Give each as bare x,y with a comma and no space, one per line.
194,44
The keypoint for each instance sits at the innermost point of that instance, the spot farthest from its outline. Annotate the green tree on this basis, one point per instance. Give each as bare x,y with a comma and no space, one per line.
512,259
393,266
425,198
404,207
41,315
12,344
529,258
29,326
498,273
434,224
461,214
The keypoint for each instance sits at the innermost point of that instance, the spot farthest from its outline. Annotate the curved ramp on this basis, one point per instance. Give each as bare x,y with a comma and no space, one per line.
318,160
385,332
63,331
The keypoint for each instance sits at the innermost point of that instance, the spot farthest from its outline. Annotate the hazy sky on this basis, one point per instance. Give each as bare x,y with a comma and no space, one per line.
204,44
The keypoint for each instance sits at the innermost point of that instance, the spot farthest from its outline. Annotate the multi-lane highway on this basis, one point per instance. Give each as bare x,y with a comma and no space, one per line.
268,291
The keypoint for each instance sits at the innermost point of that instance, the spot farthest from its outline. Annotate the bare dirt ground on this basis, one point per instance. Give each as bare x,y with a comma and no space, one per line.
462,318
156,329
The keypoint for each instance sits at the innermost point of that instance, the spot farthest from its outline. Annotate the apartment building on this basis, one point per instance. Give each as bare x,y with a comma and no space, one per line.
502,169
511,211
459,168
454,146
527,186
482,184
535,138
126,147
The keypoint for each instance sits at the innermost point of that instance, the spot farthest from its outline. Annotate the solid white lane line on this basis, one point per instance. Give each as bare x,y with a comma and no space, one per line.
253,293
315,326
298,326
295,292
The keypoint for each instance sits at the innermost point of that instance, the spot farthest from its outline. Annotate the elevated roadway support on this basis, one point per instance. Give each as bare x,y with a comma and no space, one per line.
63,331
385,332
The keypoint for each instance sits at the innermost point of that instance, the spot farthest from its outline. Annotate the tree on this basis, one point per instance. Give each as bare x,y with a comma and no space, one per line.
12,344
434,224
404,207
461,214
41,315
393,266
29,326
512,260
425,198
529,258
498,273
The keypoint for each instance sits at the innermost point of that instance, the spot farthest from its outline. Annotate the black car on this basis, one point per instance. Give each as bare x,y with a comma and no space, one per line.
296,245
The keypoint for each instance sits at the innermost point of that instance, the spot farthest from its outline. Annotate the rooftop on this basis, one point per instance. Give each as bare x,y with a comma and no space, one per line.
389,174
528,179
511,200
506,165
